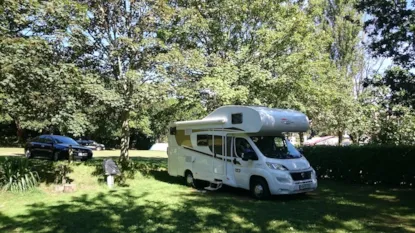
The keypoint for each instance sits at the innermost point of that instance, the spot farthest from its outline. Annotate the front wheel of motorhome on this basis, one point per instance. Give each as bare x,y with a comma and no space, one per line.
259,189
191,181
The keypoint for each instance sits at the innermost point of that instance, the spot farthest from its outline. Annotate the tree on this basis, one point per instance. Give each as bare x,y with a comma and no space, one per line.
391,29
118,40
38,93
37,89
254,52
342,21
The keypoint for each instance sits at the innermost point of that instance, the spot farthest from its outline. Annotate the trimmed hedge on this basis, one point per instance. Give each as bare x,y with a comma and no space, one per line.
370,164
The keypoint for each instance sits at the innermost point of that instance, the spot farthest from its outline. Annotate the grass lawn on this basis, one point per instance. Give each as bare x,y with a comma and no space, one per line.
156,202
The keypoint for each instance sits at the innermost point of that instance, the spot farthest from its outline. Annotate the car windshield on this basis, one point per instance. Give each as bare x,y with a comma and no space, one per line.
65,140
276,147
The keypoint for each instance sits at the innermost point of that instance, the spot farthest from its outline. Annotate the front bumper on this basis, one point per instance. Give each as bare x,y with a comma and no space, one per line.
301,186
82,157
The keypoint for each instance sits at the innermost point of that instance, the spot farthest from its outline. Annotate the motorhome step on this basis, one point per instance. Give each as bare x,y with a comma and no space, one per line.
213,186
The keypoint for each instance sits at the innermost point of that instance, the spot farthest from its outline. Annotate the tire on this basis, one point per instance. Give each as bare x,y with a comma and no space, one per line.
188,178
191,181
28,154
259,189
55,156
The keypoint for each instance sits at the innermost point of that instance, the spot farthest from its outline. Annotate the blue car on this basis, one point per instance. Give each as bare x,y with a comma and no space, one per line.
56,147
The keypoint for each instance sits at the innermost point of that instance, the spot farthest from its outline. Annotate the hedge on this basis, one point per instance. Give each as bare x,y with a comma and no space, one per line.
370,164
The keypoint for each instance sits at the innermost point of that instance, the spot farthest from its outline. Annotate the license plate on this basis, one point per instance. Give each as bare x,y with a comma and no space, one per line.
82,154
304,186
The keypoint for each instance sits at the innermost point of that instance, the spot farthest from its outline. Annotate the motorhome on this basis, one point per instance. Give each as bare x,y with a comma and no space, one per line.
243,147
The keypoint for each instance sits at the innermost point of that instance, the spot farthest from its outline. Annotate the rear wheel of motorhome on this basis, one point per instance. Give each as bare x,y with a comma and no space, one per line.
259,188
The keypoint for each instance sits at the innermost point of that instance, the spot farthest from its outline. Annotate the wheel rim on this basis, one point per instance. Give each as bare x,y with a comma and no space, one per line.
56,156
258,190
189,179
28,153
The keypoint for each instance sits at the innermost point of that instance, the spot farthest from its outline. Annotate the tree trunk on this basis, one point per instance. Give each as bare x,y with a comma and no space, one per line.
125,135
301,138
340,134
19,132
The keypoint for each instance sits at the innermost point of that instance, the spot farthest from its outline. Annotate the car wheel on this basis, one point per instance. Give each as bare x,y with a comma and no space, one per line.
28,154
259,189
99,148
55,156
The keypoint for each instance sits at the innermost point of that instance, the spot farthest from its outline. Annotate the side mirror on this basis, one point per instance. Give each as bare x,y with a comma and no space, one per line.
301,150
249,156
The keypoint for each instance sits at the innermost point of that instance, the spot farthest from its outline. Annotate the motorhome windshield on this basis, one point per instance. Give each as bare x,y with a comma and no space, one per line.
276,147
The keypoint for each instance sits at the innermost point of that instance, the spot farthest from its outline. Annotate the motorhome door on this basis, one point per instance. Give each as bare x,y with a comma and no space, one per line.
242,169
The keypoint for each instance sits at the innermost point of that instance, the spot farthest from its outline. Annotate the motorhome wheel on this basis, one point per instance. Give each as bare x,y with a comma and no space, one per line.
259,189
189,179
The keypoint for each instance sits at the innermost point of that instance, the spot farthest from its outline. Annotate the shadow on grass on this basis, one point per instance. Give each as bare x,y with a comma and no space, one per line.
125,211
333,208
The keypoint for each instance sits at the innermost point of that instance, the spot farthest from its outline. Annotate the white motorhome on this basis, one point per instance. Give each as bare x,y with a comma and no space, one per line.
244,147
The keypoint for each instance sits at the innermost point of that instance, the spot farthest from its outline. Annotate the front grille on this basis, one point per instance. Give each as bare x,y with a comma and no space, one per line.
76,151
301,175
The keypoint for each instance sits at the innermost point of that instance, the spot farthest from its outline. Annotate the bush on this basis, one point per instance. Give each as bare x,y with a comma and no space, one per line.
16,175
371,164
62,170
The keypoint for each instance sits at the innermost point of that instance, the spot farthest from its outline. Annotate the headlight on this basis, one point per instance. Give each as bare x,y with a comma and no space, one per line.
276,166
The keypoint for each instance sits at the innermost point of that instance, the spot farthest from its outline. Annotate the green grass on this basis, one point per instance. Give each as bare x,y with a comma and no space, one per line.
157,202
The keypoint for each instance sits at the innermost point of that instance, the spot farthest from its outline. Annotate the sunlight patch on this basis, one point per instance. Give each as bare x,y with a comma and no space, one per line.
207,210
353,225
351,203
329,218
279,225
244,223
384,197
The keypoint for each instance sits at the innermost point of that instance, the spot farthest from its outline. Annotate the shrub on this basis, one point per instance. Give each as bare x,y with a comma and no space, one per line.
62,171
370,164
16,175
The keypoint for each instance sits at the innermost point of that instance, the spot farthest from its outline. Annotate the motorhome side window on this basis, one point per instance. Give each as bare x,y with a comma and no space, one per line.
237,118
202,140
215,145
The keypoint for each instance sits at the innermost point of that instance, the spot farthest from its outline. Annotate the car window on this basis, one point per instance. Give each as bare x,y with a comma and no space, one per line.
48,140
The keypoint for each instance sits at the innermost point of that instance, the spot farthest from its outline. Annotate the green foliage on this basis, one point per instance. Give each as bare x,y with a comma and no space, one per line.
370,164
109,70
62,170
390,96
41,94
391,29
16,175
130,168
400,84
